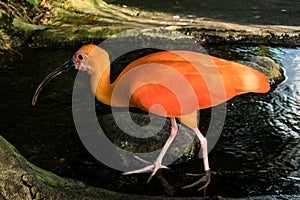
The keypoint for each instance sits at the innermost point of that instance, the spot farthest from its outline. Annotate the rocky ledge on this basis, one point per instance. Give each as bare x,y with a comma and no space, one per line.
79,22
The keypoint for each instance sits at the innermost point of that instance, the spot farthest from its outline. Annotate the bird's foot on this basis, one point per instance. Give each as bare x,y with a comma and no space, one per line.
150,167
204,179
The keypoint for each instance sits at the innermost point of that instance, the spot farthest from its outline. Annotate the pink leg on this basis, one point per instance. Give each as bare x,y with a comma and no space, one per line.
206,177
203,143
157,163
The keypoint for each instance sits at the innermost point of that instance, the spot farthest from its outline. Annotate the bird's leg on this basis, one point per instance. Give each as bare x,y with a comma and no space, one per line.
206,177
157,163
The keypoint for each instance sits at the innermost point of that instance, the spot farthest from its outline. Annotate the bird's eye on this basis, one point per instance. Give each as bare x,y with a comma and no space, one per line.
80,57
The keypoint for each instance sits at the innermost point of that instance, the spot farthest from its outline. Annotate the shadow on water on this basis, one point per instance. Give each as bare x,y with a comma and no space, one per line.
257,154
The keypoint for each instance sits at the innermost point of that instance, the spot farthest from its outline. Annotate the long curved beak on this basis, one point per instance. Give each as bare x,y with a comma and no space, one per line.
67,66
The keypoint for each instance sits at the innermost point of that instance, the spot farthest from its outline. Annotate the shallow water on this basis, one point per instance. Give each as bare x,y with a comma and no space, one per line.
258,152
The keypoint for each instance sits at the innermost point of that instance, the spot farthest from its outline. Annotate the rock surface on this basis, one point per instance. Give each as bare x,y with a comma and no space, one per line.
78,22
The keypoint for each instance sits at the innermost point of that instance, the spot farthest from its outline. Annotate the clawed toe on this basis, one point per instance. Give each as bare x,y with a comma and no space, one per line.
204,179
150,167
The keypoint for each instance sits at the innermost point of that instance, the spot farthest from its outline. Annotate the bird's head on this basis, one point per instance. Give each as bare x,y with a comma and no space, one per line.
80,58
80,61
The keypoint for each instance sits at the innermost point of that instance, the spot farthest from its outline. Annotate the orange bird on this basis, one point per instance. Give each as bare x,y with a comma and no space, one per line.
173,84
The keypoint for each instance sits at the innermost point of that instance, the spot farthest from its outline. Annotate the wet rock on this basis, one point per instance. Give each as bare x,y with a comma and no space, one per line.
141,135
20,179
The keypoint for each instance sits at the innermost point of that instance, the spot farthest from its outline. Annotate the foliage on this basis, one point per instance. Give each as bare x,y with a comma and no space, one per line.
34,2
30,11
262,50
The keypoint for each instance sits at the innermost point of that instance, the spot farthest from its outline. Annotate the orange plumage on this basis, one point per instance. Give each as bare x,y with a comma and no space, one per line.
182,82
213,81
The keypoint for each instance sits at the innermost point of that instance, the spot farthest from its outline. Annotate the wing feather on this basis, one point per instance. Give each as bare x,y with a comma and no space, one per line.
182,82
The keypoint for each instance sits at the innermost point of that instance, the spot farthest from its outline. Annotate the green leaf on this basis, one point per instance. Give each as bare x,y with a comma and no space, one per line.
34,2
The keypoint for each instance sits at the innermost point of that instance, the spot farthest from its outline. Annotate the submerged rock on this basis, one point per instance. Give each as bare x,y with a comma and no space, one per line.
140,135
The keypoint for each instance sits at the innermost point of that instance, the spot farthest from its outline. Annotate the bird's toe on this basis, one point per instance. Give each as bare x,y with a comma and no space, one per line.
150,167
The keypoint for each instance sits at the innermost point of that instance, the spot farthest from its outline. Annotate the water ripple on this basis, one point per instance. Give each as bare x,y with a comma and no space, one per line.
284,106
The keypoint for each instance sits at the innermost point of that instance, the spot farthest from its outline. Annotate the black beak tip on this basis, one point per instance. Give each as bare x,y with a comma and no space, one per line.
67,66
33,102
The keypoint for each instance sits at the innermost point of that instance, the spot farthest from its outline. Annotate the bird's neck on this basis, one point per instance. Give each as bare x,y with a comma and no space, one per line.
100,79
101,87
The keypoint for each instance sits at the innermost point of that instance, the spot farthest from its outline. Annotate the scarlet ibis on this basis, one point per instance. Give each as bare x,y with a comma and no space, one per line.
181,82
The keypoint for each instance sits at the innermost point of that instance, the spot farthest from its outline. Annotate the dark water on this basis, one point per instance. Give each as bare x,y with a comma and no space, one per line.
257,154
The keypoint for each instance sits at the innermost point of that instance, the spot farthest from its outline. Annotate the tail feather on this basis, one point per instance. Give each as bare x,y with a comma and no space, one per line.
253,81
244,79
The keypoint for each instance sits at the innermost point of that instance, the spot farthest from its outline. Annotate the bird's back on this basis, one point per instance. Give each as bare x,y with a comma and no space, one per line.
183,81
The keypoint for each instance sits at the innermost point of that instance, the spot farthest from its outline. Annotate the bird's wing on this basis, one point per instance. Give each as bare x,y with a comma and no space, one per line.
178,83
